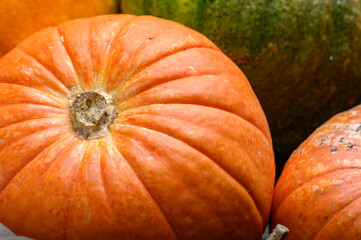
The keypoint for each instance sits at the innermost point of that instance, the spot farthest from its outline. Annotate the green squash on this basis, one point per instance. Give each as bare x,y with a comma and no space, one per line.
302,57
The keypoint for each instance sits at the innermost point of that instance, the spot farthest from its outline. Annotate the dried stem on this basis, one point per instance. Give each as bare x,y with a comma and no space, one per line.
279,233
91,113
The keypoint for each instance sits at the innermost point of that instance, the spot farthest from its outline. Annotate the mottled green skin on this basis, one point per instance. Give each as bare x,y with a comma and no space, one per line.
302,57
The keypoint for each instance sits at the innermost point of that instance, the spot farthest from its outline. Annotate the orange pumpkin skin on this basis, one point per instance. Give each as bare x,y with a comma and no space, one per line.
20,18
318,195
188,155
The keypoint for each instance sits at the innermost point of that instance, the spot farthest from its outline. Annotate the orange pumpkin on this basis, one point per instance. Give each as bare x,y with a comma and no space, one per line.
20,18
123,127
318,195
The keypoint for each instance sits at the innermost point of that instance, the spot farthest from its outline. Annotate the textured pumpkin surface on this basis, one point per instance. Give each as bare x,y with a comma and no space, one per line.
318,195
20,18
188,155
302,58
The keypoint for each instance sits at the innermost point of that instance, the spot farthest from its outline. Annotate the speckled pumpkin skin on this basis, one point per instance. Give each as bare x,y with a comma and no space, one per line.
318,195
302,58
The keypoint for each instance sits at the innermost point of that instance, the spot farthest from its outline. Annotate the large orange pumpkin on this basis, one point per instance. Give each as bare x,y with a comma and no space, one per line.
318,195
123,127
20,18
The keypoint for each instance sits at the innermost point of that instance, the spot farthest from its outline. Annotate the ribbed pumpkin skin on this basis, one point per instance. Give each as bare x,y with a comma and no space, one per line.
189,155
318,195
302,57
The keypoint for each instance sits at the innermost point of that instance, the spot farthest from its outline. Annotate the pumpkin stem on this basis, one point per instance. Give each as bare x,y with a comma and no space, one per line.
279,233
91,113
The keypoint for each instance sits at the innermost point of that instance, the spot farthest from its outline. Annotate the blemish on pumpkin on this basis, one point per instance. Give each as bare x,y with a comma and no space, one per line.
334,149
170,135
350,145
358,129
323,139
336,181
315,188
